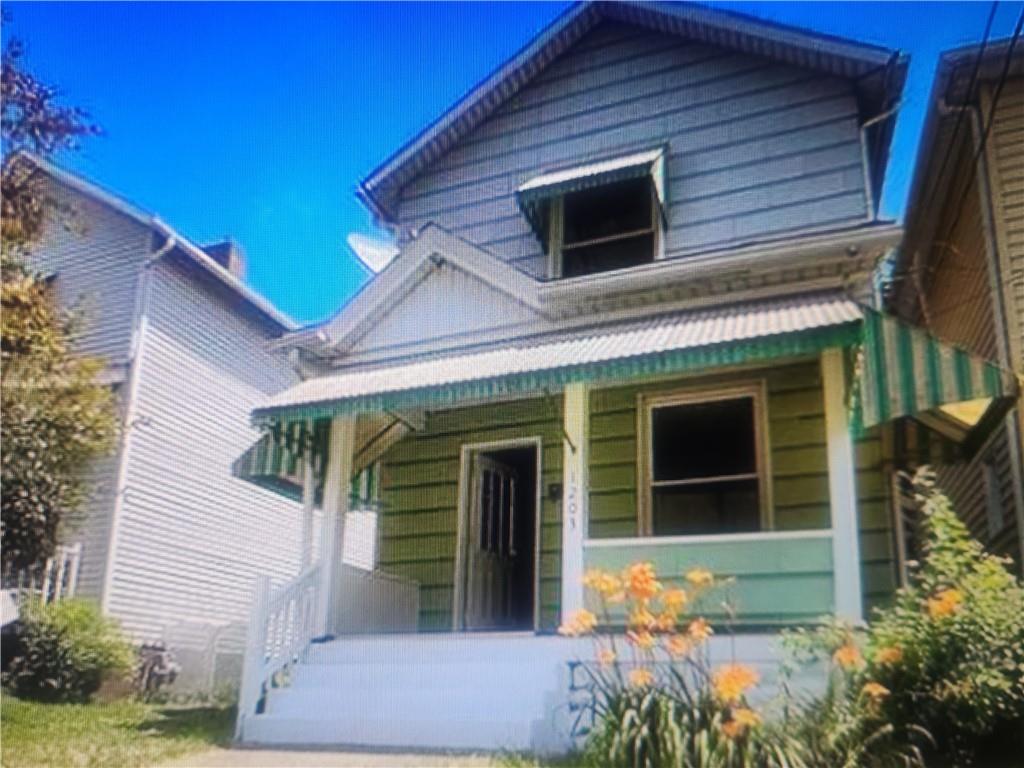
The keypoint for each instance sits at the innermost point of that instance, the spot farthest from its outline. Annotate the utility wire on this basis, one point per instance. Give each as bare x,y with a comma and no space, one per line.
960,115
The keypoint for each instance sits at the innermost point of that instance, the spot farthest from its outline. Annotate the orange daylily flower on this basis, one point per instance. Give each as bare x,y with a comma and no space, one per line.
641,581
700,577
699,630
643,639
848,656
581,622
731,681
602,582
945,603
875,691
641,618
674,600
641,677
678,645
606,657
891,654
666,622
742,719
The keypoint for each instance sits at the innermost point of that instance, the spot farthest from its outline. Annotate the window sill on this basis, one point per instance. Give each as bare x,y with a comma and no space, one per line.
720,538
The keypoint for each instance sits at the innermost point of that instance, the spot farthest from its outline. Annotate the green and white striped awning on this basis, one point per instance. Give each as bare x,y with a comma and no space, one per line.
903,371
534,195
275,461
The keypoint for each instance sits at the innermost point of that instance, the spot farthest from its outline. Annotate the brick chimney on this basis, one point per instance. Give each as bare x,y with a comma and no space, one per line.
229,255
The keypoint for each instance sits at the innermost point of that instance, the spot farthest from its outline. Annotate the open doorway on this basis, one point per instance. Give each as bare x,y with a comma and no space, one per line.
498,570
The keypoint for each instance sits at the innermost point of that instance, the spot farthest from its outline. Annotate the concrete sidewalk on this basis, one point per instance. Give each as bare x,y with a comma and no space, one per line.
260,758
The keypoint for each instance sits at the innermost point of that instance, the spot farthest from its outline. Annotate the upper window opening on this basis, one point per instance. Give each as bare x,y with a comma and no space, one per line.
598,217
705,470
608,227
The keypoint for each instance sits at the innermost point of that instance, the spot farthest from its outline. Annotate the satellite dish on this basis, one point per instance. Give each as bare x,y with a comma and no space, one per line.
374,254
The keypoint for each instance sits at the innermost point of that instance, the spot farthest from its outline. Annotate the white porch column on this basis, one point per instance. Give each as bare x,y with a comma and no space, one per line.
337,485
308,503
842,490
575,493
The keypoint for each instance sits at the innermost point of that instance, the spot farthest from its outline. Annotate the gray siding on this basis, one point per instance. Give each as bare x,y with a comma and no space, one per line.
755,148
94,254
191,537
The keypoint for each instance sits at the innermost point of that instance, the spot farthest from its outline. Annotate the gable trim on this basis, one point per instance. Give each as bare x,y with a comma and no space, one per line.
432,249
876,72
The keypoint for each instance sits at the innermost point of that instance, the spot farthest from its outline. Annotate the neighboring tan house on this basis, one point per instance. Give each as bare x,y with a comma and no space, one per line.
170,541
623,325
960,272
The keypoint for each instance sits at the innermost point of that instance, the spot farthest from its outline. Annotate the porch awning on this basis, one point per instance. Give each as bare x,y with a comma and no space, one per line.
671,343
275,461
904,371
534,194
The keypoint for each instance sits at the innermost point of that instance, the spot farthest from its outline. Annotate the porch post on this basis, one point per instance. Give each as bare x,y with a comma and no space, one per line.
308,504
337,485
575,492
842,486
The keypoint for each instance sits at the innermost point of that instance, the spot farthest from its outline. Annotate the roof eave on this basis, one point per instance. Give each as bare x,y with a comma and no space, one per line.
858,58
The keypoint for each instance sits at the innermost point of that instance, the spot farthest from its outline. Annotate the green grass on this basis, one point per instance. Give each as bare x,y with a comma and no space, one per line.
122,734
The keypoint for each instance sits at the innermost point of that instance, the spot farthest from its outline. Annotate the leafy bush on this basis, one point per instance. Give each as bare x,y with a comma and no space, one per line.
939,673
67,650
951,648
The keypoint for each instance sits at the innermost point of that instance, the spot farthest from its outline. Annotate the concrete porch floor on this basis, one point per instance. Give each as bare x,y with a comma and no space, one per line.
274,758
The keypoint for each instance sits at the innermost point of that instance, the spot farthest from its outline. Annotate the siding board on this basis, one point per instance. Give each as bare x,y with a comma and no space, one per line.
192,537
743,134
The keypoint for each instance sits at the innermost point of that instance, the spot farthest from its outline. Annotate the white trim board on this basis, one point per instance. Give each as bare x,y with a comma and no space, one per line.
466,450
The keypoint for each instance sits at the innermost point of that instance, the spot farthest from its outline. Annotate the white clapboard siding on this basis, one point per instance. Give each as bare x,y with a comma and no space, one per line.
192,537
755,148
89,525
93,254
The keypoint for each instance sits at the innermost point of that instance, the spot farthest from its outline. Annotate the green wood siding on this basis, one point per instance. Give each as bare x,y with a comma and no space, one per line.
776,581
419,490
799,464
420,493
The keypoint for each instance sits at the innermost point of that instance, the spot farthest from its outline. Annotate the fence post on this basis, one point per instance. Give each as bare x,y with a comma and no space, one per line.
253,662
76,558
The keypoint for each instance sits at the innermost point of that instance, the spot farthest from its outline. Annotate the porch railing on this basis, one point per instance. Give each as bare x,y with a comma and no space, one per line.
53,580
281,626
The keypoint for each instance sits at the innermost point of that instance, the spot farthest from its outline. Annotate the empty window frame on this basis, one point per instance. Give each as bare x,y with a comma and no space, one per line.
703,463
612,226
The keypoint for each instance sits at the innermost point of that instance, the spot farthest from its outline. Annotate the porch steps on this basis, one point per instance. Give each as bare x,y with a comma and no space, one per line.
487,692
445,692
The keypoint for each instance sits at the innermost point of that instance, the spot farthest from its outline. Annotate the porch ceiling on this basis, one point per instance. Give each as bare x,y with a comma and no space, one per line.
674,342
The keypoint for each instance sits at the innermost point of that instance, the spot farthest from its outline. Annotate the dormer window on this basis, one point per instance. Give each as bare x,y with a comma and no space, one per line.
599,217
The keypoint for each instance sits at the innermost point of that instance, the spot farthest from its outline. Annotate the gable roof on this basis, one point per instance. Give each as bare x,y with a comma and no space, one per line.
192,252
432,248
878,74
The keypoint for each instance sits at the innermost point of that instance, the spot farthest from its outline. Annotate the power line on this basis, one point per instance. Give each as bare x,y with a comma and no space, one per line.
960,115
991,117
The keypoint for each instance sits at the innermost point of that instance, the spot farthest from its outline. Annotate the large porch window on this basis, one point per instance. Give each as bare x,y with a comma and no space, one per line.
703,463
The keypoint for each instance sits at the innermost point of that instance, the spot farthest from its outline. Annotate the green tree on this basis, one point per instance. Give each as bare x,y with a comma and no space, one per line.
55,418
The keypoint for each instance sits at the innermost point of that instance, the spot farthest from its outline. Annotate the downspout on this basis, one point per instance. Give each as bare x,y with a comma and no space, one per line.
140,323
866,161
1013,425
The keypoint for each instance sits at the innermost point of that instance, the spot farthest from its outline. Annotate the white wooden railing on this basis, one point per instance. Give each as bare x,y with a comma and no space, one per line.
56,579
281,626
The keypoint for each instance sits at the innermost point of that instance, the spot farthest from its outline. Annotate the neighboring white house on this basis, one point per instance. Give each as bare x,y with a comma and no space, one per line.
171,541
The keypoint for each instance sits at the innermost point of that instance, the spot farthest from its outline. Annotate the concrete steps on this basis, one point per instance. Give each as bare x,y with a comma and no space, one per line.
476,692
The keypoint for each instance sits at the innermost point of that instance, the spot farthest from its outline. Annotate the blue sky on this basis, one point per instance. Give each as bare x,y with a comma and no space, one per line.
256,120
